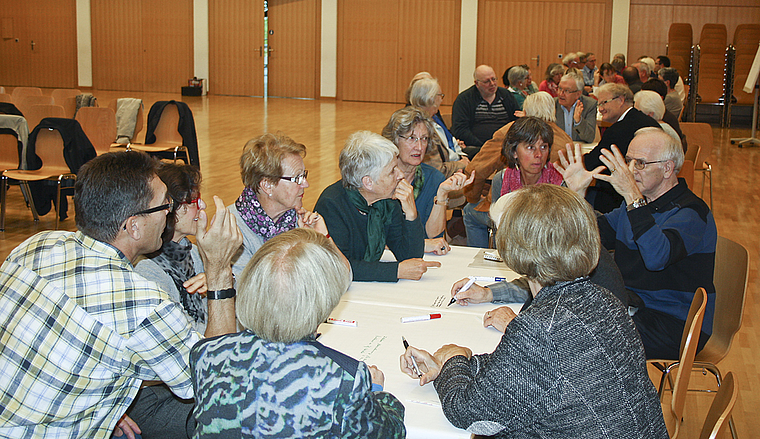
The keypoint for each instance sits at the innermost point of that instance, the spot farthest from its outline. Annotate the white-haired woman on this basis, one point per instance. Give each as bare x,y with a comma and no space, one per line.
518,84
444,153
571,364
490,159
651,104
274,379
373,206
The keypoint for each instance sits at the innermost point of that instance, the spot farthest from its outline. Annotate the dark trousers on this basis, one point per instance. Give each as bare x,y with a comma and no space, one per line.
661,334
161,415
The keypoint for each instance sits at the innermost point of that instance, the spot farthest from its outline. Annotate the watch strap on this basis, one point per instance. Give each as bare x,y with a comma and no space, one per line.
227,293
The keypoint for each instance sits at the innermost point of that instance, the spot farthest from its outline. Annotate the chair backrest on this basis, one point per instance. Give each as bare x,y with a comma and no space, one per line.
679,47
27,102
746,37
5,97
49,148
99,123
60,94
8,152
687,173
720,409
730,279
19,92
692,153
167,128
699,133
38,112
689,342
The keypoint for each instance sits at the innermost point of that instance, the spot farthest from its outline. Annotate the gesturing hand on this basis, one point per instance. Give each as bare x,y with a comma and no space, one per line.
405,194
573,171
621,174
414,268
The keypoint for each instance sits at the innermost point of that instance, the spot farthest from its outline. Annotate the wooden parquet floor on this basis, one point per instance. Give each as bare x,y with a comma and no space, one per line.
225,123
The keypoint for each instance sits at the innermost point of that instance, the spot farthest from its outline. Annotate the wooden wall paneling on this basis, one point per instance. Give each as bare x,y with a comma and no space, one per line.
51,24
236,42
696,16
501,44
584,19
647,33
167,33
15,55
368,50
294,39
117,48
733,16
432,48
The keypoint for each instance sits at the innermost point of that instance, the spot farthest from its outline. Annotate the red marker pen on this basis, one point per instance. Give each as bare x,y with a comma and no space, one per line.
420,318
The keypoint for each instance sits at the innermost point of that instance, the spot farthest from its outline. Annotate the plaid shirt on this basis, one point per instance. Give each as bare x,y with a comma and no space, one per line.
79,331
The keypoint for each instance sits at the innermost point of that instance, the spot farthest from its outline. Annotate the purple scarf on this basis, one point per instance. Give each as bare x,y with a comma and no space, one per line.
249,208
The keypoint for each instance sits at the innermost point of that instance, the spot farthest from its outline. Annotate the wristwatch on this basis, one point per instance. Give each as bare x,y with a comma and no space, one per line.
635,204
442,202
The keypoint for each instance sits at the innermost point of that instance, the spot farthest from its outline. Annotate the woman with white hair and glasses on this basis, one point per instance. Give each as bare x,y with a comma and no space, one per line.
373,206
274,176
274,379
571,364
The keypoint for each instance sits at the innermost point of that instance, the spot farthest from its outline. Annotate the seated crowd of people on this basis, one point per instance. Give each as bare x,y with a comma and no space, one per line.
127,328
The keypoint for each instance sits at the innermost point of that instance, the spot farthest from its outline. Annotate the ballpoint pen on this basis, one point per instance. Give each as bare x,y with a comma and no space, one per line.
414,362
474,279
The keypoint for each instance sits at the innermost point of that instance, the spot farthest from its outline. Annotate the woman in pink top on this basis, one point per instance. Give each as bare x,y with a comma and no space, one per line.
551,84
526,148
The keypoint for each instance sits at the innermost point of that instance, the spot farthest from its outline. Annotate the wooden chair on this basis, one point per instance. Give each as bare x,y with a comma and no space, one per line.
99,123
49,148
61,94
711,73
720,409
36,113
689,165
679,47
19,92
168,138
673,412
700,134
9,159
5,97
27,101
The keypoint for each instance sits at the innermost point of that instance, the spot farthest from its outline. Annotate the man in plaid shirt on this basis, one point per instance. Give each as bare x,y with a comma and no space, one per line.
80,331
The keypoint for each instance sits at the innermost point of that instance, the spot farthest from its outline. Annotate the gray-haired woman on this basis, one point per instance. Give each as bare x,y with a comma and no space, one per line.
274,379
373,206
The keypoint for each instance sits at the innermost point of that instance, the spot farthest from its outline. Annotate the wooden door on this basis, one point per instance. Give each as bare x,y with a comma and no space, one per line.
236,43
536,32
294,43
142,45
45,53
117,45
381,45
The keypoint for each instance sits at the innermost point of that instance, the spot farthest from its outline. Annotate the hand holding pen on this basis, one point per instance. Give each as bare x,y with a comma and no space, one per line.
466,291
418,363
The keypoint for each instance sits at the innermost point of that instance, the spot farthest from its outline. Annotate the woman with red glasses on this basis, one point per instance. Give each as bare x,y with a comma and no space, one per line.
177,266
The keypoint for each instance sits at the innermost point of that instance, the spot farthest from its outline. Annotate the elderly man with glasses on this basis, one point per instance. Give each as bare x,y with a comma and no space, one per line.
663,235
481,110
616,106
88,335
576,114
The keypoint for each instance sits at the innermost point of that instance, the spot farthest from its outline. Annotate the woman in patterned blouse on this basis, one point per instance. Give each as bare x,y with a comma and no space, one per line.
275,379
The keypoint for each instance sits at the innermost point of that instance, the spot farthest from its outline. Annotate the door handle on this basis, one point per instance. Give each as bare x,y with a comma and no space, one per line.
538,60
33,44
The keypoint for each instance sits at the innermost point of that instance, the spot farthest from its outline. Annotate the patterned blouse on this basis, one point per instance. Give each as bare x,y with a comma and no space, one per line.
247,387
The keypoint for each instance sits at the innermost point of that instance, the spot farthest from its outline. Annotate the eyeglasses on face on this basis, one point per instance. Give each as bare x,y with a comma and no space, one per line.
298,179
487,81
607,101
640,164
196,201
566,91
442,95
167,206
414,139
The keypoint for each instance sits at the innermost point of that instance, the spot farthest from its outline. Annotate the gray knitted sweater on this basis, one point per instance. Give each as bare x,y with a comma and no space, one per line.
569,365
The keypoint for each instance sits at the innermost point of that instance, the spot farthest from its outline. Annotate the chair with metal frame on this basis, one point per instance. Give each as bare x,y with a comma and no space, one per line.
49,148
700,134
673,412
19,92
36,113
66,97
99,123
167,136
25,104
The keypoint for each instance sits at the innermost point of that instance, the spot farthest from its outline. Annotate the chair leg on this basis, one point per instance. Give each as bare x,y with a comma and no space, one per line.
3,190
29,200
58,203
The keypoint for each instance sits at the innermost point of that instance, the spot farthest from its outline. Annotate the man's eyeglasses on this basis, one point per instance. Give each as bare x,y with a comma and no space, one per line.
487,81
168,206
442,95
414,139
640,164
565,91
607,101
298,179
